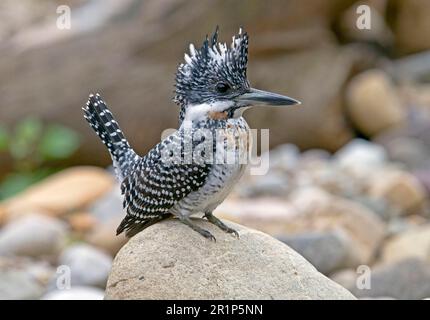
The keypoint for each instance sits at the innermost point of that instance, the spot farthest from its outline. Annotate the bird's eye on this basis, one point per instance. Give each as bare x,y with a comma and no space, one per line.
222,87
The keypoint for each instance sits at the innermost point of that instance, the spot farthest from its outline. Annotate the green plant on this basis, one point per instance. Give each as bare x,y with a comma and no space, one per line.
34,149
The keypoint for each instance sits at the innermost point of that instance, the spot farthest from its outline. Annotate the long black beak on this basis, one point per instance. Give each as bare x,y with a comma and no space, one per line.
260,97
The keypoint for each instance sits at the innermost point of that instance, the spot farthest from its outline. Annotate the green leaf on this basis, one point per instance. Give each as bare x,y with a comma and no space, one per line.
27,132
4,138
18,182
29,128
58,142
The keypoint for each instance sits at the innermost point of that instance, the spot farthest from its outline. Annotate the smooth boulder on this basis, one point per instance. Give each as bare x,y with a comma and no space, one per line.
170,261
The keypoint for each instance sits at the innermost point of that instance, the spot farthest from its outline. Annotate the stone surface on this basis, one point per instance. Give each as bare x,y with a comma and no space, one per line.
399,189
88,265
405,279
16,285
82,222
326,251
22,278
109,206
284,157
263,208
33,235
413,243
270,184
170,261
75,293
359,152
423,177
320,211
411,24
312,210
61,193
345,277
372,93
378,33
325,175
412,152
104,236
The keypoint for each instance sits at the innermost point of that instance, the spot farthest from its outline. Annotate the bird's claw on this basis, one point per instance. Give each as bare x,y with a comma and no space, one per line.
211,218
208,235
233,232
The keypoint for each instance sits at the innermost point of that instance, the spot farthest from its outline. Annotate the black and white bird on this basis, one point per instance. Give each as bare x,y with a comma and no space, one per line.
185,174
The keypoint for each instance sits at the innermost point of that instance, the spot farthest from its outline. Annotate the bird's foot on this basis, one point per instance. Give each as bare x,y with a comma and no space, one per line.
198,229
212,219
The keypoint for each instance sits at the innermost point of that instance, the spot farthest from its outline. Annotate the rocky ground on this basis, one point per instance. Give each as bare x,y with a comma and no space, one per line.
344,213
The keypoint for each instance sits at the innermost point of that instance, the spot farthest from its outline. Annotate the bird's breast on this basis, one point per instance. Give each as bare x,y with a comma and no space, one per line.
233,142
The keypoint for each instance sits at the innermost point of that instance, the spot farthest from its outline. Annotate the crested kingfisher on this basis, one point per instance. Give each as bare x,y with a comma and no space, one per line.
212,91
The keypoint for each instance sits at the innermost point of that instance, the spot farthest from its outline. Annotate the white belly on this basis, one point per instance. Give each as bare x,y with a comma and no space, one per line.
226,171
219,184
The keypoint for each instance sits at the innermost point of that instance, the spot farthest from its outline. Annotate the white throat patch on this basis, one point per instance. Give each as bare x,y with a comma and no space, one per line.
201,111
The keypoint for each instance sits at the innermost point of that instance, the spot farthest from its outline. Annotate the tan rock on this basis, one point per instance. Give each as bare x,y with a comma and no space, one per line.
320,211
414,243
82,221
104,236
411,24
61,193
265,214
170,261
373,103
400,189
312,210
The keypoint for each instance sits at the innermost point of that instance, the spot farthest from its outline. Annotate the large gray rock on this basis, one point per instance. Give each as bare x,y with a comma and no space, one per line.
22,278
320,211
372,92
17,285
88,265
33,235
327,251
412,243
170,261
405,279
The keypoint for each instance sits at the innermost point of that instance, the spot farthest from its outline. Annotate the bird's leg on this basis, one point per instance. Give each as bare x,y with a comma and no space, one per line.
195,227
212,219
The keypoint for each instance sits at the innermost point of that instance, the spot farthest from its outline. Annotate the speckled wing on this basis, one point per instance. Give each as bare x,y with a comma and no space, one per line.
157,184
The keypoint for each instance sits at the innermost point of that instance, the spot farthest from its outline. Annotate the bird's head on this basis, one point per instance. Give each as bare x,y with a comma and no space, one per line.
212,83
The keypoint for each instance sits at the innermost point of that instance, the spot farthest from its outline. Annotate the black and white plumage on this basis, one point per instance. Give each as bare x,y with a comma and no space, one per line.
213,64
213,91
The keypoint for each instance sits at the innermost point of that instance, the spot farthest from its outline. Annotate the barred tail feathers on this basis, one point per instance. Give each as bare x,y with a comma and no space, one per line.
104,124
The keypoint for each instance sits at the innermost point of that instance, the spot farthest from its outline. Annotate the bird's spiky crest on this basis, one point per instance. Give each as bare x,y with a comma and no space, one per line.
209,64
